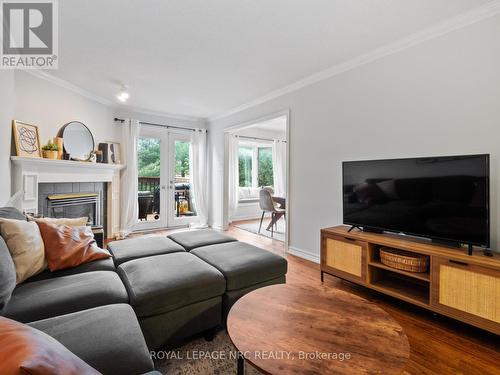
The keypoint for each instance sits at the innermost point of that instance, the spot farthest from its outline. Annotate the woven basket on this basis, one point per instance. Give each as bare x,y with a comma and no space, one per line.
404,260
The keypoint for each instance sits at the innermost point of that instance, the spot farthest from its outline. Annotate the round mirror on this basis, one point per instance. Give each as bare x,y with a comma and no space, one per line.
77,140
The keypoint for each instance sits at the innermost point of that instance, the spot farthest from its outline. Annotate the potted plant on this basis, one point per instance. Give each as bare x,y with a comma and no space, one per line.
50,150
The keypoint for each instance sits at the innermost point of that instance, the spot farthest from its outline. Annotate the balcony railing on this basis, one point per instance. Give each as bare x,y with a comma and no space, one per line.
149,197
150,184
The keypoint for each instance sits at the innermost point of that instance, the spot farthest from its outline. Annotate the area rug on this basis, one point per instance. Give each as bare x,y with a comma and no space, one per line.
201,357
253,226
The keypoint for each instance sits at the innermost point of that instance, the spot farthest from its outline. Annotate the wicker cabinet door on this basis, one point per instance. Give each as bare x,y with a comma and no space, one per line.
344,258
468,291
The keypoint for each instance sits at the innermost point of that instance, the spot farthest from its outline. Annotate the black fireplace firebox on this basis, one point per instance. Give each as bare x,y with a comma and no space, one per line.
76,205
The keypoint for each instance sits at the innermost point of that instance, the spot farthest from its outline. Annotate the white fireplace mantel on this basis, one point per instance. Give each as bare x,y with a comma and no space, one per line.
27,173
66,170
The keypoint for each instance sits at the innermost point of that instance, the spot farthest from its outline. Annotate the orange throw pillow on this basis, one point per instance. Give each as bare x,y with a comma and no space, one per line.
28,351
67,247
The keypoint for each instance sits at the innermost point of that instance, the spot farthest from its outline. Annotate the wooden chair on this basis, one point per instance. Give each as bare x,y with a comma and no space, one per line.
266,204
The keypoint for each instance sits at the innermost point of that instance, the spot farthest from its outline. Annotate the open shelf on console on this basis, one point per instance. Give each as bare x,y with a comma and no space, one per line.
424,276
400,285
374,261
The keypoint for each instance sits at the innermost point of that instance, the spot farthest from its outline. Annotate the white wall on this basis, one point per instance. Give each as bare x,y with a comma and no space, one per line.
50,106
247,211
36,101
438,98
7,98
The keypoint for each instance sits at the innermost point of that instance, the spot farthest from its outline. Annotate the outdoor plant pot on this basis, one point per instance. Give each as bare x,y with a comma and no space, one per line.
47,154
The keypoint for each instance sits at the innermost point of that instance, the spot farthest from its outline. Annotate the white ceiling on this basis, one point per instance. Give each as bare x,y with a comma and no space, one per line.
202,58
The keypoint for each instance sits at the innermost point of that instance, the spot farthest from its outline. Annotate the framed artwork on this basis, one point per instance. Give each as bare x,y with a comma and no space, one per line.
26,139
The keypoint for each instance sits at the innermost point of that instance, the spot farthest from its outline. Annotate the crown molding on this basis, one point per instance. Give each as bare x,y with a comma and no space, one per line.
442,28
109,103
69,86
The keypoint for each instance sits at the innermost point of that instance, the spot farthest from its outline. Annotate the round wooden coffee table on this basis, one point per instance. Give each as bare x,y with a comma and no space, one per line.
284,329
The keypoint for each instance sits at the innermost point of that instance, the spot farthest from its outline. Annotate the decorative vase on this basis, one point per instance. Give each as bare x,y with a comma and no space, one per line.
59,142
47,154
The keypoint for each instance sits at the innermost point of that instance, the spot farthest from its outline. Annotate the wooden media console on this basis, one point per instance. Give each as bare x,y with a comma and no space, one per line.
463,287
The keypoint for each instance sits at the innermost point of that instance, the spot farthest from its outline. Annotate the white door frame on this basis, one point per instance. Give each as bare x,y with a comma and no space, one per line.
225,184
167,138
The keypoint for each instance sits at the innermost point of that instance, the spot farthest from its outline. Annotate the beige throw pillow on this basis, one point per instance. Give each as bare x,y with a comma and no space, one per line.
25,245
76,222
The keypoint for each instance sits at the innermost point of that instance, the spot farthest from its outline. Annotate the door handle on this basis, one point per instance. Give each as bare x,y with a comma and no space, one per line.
458,262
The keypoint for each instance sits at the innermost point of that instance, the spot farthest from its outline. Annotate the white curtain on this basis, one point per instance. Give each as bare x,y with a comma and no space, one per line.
129,210
279,167
199,177
233,174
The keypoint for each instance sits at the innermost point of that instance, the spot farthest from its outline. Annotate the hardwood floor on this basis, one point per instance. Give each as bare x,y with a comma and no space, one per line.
438,345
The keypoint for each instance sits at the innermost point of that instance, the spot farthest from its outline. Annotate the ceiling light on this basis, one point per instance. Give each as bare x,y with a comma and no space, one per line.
123,95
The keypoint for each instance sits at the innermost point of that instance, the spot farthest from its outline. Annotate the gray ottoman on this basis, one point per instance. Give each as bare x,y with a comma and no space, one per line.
174,295
141,247
196,238
245,268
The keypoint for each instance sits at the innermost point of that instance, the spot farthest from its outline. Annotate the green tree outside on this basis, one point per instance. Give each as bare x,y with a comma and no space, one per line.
148,157
182,158
245,166
265,158
265,166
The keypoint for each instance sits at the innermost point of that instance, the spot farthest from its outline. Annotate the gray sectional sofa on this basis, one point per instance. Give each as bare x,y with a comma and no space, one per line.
154,293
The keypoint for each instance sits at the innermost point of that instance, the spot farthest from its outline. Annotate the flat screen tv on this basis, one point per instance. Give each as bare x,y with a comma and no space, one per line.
442,198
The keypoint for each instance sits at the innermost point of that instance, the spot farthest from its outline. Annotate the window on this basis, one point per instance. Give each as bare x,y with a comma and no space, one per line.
245,160
265,166
148,157
255,166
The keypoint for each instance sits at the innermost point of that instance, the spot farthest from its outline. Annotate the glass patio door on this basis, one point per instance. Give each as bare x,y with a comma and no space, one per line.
181,200
165,194
152,159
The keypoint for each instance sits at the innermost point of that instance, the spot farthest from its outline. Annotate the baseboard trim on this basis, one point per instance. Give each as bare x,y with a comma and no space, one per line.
247,217
303,254
216,227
